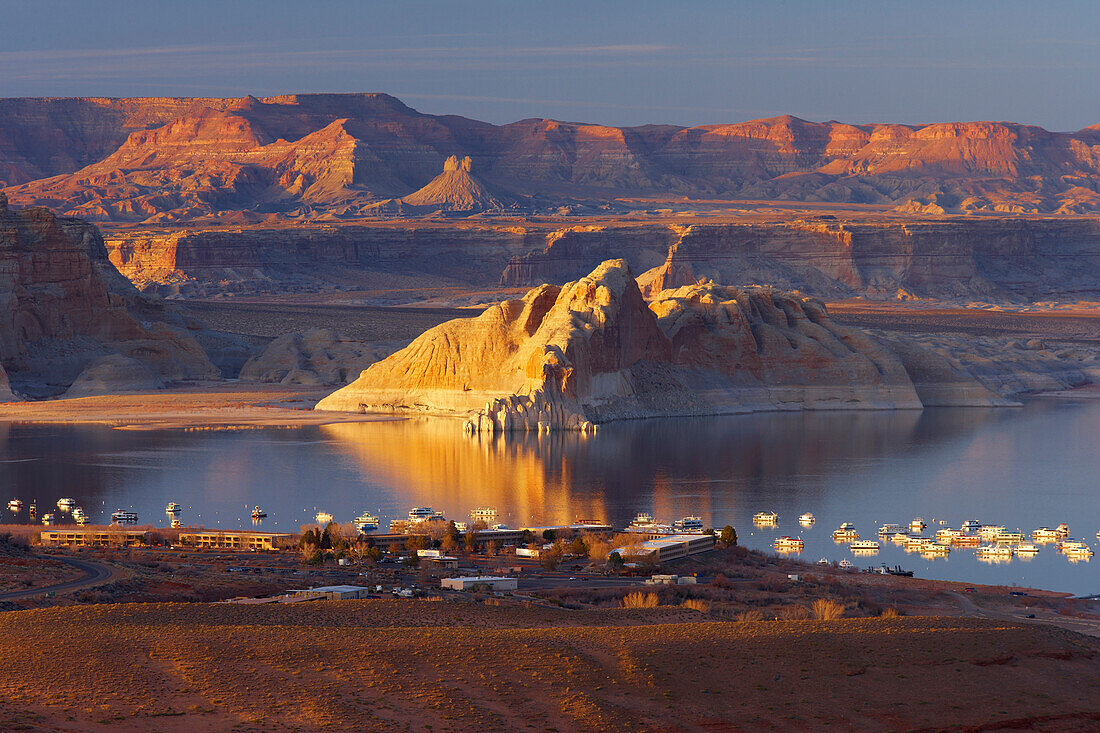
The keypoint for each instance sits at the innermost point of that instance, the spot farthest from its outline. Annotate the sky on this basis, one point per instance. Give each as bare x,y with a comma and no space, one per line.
619,63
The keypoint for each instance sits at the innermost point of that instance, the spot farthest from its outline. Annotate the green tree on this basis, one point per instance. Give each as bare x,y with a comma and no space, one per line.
615,561
728,536
549,535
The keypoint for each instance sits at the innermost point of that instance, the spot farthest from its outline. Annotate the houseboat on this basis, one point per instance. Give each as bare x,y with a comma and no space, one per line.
367,522
899,538
966,540
765,518
864,545
1027,548
970,525
424,514
887,530
121,517
807,519
48,519
917,543
788,544
1062,530
66,504
845,565
79,516
487,514
994,551
322,517
176,523
172,508
846,532
989,531
15,505
947,535
688,525
645,523
936,549
1045,534
1009,538
917,525
258,513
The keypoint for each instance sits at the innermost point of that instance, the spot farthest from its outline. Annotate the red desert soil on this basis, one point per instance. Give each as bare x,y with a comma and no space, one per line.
421,665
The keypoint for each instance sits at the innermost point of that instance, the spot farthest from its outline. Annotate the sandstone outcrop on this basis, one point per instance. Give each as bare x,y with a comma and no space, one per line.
318,356
456,189
64,305
593,351
6,395
114,374
328,155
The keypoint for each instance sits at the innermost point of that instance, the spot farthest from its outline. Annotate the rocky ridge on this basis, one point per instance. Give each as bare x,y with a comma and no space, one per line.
594,350
65,307
325,156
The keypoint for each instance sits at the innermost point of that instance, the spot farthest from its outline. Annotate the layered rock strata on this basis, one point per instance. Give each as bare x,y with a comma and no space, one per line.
328,155
318,356
593,351
64,306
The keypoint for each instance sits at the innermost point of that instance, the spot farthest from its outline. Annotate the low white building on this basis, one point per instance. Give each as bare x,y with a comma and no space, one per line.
334,592
671,580
470,582
527,552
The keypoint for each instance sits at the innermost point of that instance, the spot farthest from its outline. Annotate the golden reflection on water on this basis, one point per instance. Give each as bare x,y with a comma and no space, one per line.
673,468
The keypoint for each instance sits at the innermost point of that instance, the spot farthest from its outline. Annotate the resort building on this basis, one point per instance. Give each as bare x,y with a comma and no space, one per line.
669,548
232,539
334,592
94,537
468,583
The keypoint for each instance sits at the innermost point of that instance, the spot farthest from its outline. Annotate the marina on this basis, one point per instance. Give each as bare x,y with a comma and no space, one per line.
674,470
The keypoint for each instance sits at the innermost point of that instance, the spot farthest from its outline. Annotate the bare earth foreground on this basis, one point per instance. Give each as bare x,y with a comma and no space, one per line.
423,665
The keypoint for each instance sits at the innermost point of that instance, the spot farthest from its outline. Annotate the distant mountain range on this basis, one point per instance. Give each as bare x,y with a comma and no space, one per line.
340,155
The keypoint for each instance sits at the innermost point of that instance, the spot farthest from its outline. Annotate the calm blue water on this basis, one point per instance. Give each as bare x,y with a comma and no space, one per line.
1027,467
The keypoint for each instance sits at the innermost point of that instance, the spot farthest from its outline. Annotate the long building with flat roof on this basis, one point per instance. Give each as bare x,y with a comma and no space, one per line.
232,539
670,547
93,537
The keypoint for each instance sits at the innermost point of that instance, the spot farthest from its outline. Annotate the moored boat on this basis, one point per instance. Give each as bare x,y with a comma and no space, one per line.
322,517
121,517
994,551
1062,529
845,565
1045,534
970,525
258,513
806,519
917,525
864,545
937,549
846,532
688,525
917,543
367,522
79,516
172,508
424,514
788,544
765,518
888,530
1027,548
66,504
966,540
1009,538
48,519
15,505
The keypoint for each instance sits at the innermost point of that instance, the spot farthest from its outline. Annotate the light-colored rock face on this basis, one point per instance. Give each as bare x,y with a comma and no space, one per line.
63,305
593,350
316,357
112,375
6,395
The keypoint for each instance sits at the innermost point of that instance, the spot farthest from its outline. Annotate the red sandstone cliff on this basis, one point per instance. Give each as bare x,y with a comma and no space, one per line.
339,155
65,307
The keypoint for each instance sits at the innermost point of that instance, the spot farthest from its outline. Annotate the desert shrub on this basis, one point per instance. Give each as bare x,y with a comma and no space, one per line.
794,612
827,609
696,604
750,616
890,613
638,599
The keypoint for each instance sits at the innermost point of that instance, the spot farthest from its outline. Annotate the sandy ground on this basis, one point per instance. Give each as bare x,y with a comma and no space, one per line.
455,665
214,405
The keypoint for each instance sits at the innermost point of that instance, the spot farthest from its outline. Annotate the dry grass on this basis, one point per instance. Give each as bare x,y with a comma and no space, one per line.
391,665
641,600
750,616
696,604
827,609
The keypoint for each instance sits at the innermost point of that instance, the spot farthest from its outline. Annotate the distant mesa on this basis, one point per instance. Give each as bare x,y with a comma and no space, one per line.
593,350
341,156
456,189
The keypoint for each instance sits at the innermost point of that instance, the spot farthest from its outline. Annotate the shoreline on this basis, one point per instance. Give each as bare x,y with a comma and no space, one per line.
239,406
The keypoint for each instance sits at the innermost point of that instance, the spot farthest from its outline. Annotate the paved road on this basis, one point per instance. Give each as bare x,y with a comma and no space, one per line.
93,573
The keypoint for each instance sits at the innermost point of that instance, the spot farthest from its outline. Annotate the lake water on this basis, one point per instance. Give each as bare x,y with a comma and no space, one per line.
1038,465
